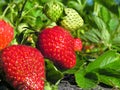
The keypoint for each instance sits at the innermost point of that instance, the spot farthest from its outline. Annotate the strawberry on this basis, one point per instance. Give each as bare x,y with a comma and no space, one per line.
53,9
56,44
24,67
77,44
72,20
6,34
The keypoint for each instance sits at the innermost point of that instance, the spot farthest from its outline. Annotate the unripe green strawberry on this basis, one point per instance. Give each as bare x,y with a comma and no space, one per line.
72,20
24,67
53,10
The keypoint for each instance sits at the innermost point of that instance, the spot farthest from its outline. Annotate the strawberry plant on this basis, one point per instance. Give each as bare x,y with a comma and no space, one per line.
44,42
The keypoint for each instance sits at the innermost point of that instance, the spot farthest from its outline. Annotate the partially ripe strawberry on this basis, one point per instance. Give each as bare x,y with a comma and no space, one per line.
24,67
57,44
77,44
6,34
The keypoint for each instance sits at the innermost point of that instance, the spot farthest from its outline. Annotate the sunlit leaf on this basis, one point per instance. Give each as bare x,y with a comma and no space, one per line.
86,80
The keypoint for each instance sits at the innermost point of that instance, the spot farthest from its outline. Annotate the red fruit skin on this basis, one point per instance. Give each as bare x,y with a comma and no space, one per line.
56,44
6,34
23,67
77,44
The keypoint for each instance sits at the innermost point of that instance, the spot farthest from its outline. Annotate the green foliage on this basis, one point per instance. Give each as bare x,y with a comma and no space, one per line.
104,69
86,80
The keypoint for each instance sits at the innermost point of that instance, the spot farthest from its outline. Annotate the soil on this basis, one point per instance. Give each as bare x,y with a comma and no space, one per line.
68,83
65,85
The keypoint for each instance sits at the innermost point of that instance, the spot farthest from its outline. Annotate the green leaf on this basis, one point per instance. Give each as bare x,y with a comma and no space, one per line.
105,14
110,77
105,60
104,68
53,75
39,23
107,66
110,72
49,86
86,80
99,22
116,40
93,35
105,35
113,24
74,4
112,81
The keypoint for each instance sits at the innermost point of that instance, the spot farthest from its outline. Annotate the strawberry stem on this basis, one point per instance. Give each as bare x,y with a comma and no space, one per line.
36,6
5,11
21,11
96,9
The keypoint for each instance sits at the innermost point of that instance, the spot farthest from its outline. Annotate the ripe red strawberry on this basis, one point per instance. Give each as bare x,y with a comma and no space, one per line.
77,44
57,44
24,67
6,34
